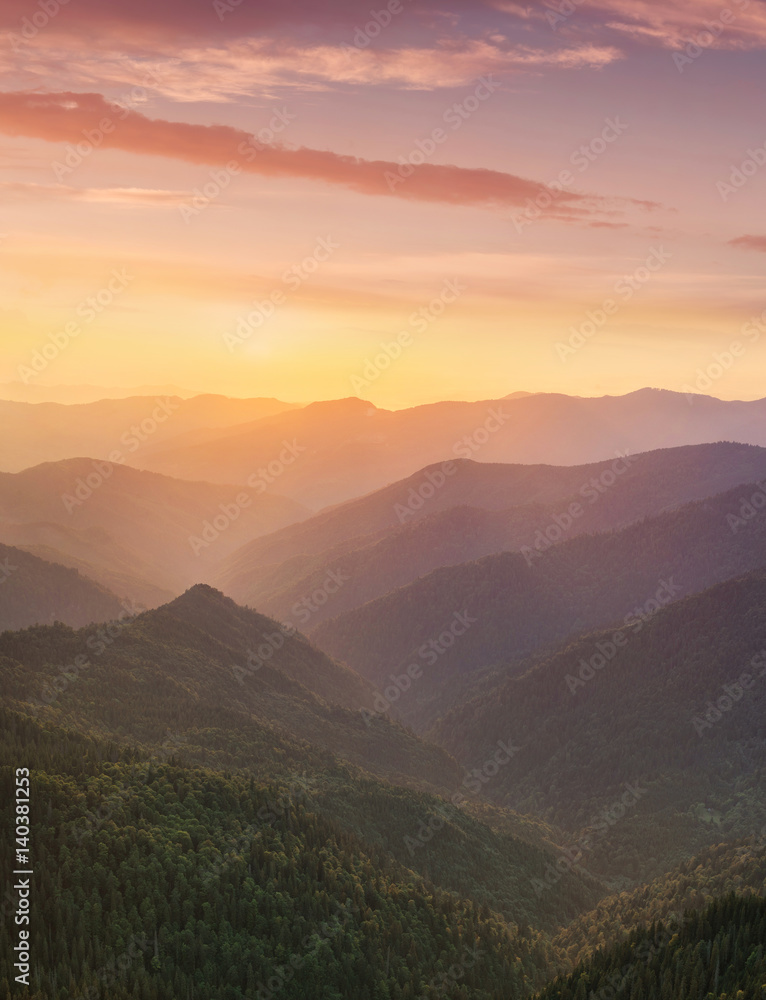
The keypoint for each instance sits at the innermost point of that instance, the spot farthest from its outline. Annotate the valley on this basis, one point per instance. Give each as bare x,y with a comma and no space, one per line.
466,731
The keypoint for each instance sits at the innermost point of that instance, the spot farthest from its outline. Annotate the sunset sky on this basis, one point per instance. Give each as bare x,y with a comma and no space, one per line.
639,129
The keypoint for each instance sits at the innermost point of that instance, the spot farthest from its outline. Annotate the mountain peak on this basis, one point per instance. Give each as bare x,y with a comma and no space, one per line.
202,596
350,403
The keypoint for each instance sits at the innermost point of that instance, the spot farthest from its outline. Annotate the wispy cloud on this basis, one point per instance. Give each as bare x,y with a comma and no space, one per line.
27,191
757,243
67,117
673,23
242,67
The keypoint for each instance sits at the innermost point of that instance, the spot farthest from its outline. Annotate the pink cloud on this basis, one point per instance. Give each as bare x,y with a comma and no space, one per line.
750,243
81,118
227,69
738,24
28,191
674,23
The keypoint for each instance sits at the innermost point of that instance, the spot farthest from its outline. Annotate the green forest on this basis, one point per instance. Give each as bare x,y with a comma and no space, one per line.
711,954
155,879
214,815
158,881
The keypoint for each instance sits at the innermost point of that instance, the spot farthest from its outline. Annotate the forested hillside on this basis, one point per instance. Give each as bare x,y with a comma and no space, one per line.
241,771
33,591
716,952
673,705
158,881
738,866
383,500
240,689
521,603
181,673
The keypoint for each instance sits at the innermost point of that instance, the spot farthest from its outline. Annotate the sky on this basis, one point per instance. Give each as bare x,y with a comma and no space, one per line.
406,202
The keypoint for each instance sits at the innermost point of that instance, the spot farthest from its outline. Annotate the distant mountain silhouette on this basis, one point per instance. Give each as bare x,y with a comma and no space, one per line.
141,534
391,537
35,591
346,448
522,603
50,432
352,448
679,707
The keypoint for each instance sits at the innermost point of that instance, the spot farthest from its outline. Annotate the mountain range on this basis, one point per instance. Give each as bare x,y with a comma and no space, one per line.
143,535
345,448
459,511
517,603
35,590
118,430
325,700
351,447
